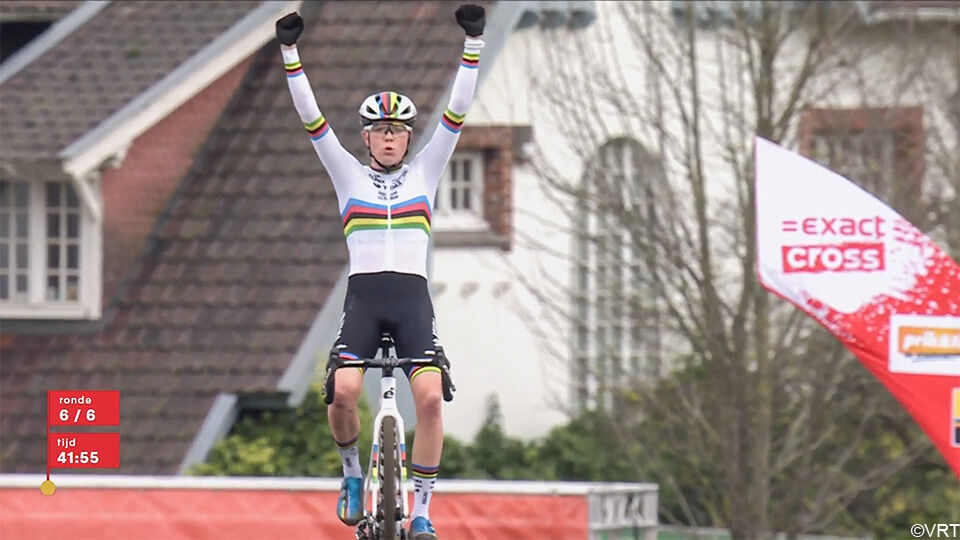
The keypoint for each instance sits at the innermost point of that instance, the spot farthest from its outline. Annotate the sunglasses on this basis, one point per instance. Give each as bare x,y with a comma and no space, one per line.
391,128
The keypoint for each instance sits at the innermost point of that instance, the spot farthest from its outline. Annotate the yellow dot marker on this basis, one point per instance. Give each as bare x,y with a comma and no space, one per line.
47,487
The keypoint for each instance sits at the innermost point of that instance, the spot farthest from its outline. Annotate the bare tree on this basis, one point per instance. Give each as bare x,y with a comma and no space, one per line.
770,426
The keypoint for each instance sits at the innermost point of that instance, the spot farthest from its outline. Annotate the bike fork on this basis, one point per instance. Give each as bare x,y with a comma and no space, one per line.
369,528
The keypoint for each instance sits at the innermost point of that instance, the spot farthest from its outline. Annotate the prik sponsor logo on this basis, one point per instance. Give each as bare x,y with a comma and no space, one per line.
922,341
845,257
927,344
837,227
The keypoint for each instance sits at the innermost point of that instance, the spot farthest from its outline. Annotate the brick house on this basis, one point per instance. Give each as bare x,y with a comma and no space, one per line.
198,264
174,236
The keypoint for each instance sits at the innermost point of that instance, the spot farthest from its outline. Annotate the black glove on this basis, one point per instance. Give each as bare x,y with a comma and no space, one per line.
472,19
289,28
330,377
446,380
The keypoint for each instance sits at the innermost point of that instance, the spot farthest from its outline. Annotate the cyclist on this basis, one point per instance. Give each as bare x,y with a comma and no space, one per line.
385,208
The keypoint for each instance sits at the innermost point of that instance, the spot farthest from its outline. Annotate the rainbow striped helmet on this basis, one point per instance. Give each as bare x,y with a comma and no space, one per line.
387,106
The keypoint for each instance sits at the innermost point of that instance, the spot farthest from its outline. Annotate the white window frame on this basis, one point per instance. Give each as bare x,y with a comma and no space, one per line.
88,303
596,295
444,217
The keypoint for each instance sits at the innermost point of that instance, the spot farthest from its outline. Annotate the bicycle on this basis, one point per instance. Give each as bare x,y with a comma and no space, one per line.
385,505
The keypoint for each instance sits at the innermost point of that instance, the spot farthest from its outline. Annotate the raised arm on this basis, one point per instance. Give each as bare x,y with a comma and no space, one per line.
435,155
338,162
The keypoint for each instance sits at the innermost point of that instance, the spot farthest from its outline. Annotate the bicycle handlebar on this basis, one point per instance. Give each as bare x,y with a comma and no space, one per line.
391,362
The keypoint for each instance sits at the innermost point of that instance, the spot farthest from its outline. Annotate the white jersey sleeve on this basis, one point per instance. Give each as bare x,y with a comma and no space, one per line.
432,160
336,159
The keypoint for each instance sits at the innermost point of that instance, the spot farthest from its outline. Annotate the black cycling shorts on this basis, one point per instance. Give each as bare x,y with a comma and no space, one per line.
387,302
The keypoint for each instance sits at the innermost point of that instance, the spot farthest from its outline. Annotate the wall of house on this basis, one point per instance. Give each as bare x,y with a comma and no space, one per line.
490,303
136,191
502,338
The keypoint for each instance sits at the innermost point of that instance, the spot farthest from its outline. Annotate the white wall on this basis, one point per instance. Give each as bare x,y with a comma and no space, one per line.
492,327
501,338
488,322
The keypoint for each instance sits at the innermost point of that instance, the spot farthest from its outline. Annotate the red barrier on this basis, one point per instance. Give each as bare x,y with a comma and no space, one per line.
175,514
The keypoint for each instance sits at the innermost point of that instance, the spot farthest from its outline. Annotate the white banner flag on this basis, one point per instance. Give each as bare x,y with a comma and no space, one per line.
869,276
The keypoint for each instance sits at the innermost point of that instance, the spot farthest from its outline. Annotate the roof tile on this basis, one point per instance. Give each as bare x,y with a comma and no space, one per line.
86,77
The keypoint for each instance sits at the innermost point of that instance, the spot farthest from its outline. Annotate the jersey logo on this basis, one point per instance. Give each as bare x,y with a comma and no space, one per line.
381,184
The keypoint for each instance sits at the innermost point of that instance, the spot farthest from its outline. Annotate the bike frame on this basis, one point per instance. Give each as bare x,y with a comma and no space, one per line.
388,407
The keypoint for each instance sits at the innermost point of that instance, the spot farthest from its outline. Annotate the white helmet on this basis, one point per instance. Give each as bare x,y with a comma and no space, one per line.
387,106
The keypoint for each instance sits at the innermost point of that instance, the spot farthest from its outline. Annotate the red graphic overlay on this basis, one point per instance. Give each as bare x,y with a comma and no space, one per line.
83,450
83,407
